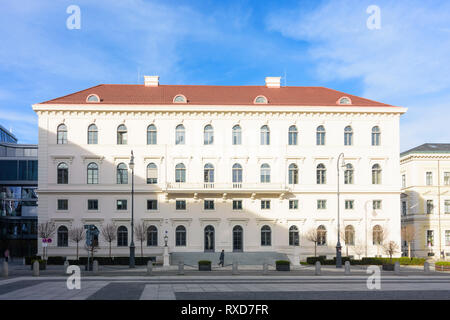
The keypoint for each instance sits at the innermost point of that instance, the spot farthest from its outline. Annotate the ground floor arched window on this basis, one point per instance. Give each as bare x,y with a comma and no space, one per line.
180,236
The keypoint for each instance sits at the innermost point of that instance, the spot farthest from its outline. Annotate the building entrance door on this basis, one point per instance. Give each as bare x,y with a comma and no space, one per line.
238,239
209,239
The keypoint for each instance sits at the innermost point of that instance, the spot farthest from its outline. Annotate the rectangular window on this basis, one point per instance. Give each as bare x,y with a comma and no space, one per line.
429,178
349,204
152,204
237,204
404,211
180,204
430,238
447,238
63,204
293,204
92,204
321,204
403,180
376,204
446,178
447,206
121,204
430,206
265,204
208,204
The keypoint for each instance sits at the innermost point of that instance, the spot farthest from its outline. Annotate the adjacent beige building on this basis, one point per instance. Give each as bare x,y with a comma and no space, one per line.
425,201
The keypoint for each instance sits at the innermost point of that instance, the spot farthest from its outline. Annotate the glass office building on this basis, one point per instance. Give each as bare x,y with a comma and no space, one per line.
18,198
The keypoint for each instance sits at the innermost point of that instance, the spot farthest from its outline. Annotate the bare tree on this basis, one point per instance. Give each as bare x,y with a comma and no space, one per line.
359,249
408,235
313,236
140,231
45,231
380,237
109,234
390,248
77,234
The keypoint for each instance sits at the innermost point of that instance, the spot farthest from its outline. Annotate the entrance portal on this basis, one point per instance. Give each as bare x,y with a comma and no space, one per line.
238,239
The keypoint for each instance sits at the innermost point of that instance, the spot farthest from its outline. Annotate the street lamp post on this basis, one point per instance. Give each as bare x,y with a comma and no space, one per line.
132,247
338,245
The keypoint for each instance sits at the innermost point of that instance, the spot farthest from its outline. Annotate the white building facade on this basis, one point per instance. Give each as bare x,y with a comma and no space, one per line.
236,168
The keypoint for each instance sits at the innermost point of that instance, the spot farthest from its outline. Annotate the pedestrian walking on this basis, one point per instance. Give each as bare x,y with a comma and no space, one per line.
6,255
222,258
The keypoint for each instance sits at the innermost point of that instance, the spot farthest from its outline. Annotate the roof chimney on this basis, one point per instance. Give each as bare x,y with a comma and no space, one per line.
151,81
273,82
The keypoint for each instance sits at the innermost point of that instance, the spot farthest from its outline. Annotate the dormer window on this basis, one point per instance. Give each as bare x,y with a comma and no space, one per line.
179,98
345,100
260,99
93,98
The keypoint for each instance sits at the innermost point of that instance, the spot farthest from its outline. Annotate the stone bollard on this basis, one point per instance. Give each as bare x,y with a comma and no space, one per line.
66,265
5,269
265,268
426,267
36,268
149,267
181,267
347,268
397,268
317,271
95,267
235,268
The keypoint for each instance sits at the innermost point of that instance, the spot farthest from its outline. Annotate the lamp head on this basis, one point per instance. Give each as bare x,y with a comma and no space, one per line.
131,164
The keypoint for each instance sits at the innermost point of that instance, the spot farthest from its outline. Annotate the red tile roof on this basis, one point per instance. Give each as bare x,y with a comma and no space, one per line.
212,95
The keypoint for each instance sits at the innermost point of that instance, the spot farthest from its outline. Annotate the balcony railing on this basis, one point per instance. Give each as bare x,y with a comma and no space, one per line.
226,186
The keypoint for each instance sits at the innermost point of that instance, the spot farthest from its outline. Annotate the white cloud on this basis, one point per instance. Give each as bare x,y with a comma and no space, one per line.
403,63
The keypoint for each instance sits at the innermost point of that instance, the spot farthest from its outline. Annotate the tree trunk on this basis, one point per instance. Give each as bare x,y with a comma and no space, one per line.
346,248
110,249
142,251
409,249
77,250
315,249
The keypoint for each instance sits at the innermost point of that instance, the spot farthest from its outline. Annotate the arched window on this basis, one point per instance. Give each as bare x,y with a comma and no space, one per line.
152,236
265,135
265,173
321,236
293,174
348,136
208,134
180,173
293,236
122,173
321,174
292,136
151,134
63,237
345,100
122,236
152,173
63,173
376,133
61,134
349,235
377,235
320,136
266,236
260,99
179,134
92,134
348,174
237,173
376,174
122,134
208,173
179,99
92,173
180,236
93,98
237,135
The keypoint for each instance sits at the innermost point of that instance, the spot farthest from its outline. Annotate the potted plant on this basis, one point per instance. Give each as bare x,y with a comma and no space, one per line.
283,265
442,266
204,265
42,264
390,248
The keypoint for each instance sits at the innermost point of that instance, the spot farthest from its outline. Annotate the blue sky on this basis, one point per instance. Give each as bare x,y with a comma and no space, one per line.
315,43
